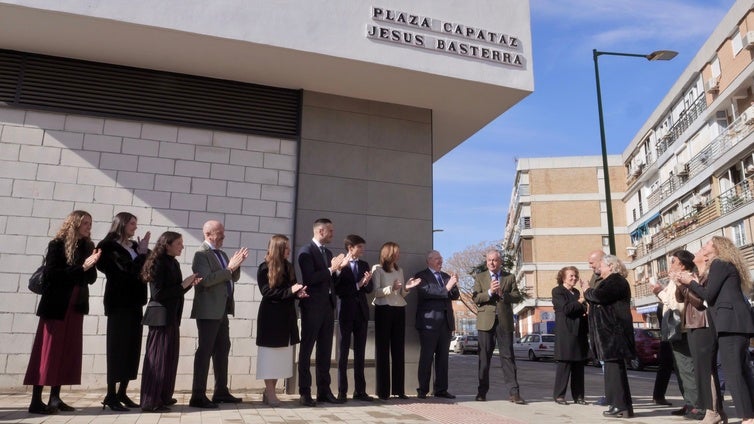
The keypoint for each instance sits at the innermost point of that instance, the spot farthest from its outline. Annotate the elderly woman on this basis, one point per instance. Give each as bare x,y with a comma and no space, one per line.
612,330
57,352
571,333
726,292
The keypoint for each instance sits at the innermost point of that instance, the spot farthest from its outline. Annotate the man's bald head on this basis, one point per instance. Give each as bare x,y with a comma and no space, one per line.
214,233
595,258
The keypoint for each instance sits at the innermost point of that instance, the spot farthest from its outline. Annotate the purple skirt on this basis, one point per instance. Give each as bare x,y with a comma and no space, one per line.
160,366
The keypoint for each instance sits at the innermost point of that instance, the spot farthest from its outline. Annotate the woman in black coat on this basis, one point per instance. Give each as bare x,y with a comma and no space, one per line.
163,316
125,295
726,292
571,336
611,328
57,351
277,330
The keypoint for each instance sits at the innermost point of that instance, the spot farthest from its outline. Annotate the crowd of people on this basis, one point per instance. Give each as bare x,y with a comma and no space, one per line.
708,291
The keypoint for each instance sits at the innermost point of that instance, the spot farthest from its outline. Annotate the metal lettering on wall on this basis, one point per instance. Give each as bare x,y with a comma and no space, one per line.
491,46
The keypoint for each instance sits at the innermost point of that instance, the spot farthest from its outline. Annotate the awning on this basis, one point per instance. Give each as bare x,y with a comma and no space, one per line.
647,309
643,229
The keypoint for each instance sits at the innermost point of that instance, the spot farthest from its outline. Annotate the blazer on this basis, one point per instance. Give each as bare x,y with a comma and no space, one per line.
61,278
489,307
166,292
316,276
353,302
211,299
277,324
571,328
123,288
729,309
434,310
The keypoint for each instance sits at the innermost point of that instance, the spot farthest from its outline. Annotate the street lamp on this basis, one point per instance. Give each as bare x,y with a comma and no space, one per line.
656,55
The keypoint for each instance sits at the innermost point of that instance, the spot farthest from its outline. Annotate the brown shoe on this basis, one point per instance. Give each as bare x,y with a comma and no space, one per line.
517,399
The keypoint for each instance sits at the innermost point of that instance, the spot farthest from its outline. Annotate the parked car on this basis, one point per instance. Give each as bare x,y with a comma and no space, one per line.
464,344
535,346
647,348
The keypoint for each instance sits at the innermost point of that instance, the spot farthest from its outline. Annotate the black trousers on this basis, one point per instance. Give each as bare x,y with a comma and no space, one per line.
214,343
435,345
358,328
734,357
564,370
617,390
389,340
317,325
507,359
703,347
664,371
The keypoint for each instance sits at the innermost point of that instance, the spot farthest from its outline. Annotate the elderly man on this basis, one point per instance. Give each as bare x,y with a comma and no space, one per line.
435,322
595,259
495,291
213,302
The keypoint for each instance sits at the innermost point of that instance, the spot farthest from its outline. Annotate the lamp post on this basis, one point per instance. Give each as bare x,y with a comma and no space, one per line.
656,55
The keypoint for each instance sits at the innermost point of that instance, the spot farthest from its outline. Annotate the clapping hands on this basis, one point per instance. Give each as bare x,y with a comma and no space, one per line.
143,244
92,259
191,281
237,259
365,279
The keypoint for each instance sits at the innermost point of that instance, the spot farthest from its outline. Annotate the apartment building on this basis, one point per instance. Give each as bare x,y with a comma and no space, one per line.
557,215
690,169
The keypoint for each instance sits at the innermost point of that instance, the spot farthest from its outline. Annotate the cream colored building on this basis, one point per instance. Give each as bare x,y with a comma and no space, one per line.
263,114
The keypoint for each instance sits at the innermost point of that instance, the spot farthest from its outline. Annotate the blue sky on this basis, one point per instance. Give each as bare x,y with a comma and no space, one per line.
473,183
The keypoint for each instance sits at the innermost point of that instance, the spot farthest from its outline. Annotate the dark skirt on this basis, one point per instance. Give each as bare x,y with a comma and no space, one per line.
124,331
160,366
56,354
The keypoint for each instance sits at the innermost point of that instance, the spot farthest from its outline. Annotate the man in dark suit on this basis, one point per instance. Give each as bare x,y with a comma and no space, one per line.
595,260
435,322
494,293
317,266
213,302
352,285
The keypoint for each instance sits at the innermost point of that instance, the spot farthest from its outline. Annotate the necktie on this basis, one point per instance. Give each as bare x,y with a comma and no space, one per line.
324,255
228,284
355,270
438,277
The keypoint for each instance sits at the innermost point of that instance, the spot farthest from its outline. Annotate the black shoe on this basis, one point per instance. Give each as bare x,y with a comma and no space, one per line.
404,397
662,401
421,395
343,397
444,394
618,413
361,396
581,401
517,399
126,401
329,398
480,397
61,406
681,411
113,404
306,400
41,408
156,410
171,401
227,398
202,403
561,401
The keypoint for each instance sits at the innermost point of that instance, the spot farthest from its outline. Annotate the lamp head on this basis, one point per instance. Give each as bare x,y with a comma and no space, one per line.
662,55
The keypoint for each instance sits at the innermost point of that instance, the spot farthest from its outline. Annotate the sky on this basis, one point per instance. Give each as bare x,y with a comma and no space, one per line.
473,183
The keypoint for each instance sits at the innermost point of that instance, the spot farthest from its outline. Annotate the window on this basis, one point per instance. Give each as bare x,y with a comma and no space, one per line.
715,67
739,233
736,42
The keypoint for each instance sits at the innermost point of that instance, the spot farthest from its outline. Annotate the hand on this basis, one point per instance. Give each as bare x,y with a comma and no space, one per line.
302,294
583,285
338,262
452,281
396,284
685,278
237,259
495,287
413,282
143,244
92,259
296,287
191,281
365,279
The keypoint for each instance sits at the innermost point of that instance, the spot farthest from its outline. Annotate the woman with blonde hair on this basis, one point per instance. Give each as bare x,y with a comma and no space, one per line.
57,351
726,292
277,328
611,327
390,321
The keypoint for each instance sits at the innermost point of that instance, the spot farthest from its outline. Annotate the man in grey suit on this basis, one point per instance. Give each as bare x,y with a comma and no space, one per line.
213,302
494,293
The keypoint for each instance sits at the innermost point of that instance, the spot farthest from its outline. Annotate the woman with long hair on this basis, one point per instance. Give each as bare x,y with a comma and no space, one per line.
390,321
611,327
726,292
163,316
125,295
57,351
571,336
277,330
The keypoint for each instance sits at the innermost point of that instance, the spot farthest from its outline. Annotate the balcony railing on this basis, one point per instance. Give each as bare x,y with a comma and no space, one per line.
735,132
737,197
684,121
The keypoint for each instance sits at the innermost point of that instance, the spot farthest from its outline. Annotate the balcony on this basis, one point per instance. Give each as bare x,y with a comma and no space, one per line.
735,132
731,200
684,121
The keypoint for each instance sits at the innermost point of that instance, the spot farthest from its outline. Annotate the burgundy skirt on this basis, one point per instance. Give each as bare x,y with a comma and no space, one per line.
56,354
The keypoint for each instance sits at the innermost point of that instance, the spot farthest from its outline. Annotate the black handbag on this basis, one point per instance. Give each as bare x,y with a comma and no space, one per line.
671,326
37,283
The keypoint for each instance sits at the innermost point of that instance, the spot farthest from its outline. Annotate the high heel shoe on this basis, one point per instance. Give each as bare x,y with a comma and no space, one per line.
113,404
126,401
